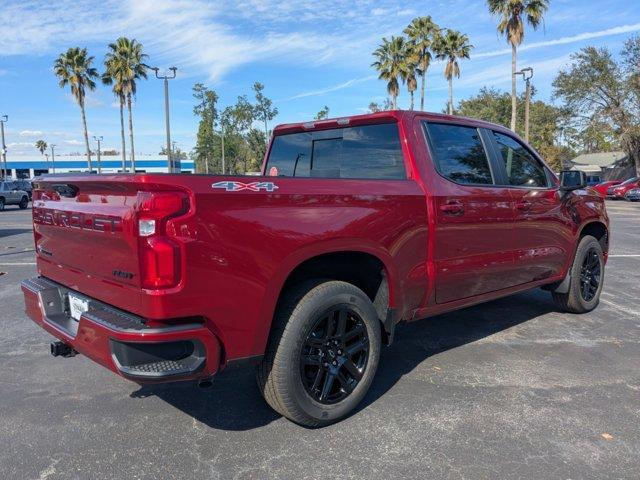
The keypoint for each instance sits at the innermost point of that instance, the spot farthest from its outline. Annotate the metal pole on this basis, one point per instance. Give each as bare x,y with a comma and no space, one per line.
526,110
98,139
166,117
46,156
527,74
53,158
3,119
222,136
166,79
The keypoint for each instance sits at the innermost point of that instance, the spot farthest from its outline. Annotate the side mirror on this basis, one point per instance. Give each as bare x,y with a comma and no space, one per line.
572,180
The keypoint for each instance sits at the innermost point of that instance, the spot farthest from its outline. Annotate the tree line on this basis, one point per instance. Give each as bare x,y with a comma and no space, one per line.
228,141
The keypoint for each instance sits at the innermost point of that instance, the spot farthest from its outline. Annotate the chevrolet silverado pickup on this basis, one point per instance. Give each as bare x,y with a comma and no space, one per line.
356,224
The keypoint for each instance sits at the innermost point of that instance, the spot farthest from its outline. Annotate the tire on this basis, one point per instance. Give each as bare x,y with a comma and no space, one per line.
300,342
575,300
1,204
24,203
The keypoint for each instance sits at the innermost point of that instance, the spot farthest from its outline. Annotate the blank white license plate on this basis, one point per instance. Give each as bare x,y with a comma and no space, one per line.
77,306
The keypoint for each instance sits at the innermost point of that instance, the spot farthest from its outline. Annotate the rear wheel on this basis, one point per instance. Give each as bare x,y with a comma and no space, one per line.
1,204
323,353
24,202
587,275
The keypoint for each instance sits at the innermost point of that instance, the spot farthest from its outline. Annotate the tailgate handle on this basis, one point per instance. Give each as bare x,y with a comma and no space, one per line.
65,190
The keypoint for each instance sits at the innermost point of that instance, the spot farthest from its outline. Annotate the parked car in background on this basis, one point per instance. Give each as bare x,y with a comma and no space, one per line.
25,185
618,192
10,194
593,180
602,187
633,195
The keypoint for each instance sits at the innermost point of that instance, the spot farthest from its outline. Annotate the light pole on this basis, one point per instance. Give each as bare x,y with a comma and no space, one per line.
53,157
3,147
527,74
46,156
222,138
98,139
166,78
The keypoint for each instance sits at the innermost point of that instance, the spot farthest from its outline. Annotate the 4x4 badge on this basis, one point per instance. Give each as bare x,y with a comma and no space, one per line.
230,186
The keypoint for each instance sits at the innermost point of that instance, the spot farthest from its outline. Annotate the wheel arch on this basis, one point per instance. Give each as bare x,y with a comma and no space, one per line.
363,264
599,231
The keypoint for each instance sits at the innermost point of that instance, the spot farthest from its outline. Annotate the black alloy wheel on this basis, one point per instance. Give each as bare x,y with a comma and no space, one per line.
590,274
334,355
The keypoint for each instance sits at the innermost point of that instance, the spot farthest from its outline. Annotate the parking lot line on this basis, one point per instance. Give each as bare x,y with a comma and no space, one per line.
16,264
623,256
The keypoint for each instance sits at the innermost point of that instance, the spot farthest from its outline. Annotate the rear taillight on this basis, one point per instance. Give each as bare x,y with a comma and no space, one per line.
160,265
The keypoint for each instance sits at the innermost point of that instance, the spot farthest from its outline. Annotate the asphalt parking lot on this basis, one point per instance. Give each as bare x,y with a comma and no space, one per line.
509,389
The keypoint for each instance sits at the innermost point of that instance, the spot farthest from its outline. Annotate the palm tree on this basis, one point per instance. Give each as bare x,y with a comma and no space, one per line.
125,66
408,69
421,32
390,57
42,146
512,27
74,68
113,76
450,47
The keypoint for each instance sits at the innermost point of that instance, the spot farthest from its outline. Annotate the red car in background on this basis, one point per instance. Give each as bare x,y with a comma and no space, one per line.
617,192
602,187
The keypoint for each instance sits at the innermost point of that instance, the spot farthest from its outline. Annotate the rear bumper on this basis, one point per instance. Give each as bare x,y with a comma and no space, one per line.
121,341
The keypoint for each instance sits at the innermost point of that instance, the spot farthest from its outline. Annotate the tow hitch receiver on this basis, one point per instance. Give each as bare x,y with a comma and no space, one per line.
61,349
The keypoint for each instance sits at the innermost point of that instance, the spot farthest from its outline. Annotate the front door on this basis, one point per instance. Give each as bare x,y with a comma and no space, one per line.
542,230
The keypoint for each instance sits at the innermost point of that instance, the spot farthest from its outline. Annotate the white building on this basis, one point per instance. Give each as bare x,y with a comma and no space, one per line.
33,165
604,165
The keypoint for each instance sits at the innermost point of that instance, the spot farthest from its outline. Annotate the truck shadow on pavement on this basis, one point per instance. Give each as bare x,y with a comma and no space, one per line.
7,232
234,402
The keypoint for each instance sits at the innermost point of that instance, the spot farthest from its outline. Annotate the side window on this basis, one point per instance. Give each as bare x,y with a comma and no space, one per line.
459,153
522,168
370,151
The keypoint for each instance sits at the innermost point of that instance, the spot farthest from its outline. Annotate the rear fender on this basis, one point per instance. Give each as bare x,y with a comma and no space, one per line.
296,258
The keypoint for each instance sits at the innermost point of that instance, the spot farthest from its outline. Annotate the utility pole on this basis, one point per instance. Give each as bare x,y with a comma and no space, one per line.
98,139
166,78
222,137
46,156
3,147
53,158
527,74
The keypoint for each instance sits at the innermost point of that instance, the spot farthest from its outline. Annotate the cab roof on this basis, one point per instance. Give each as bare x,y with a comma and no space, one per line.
380,117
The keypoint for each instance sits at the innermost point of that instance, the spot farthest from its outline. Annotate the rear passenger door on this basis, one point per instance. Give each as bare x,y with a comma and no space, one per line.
474,218
542,230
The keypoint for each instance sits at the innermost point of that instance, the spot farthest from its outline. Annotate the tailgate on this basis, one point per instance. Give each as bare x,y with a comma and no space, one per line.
112,231
88,225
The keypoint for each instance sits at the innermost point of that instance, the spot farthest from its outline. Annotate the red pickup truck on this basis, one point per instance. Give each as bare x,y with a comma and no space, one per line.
357,224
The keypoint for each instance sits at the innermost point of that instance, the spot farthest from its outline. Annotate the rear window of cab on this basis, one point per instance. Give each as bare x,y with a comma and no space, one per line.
362,152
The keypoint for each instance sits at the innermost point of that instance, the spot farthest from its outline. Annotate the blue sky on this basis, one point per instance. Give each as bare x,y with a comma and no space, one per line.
308,54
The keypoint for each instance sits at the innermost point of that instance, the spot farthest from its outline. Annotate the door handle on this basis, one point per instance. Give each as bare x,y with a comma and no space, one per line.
523,206
452,207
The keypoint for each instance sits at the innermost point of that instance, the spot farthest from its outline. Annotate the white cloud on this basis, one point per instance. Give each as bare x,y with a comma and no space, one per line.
73,142
30,133
333,88
564,40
